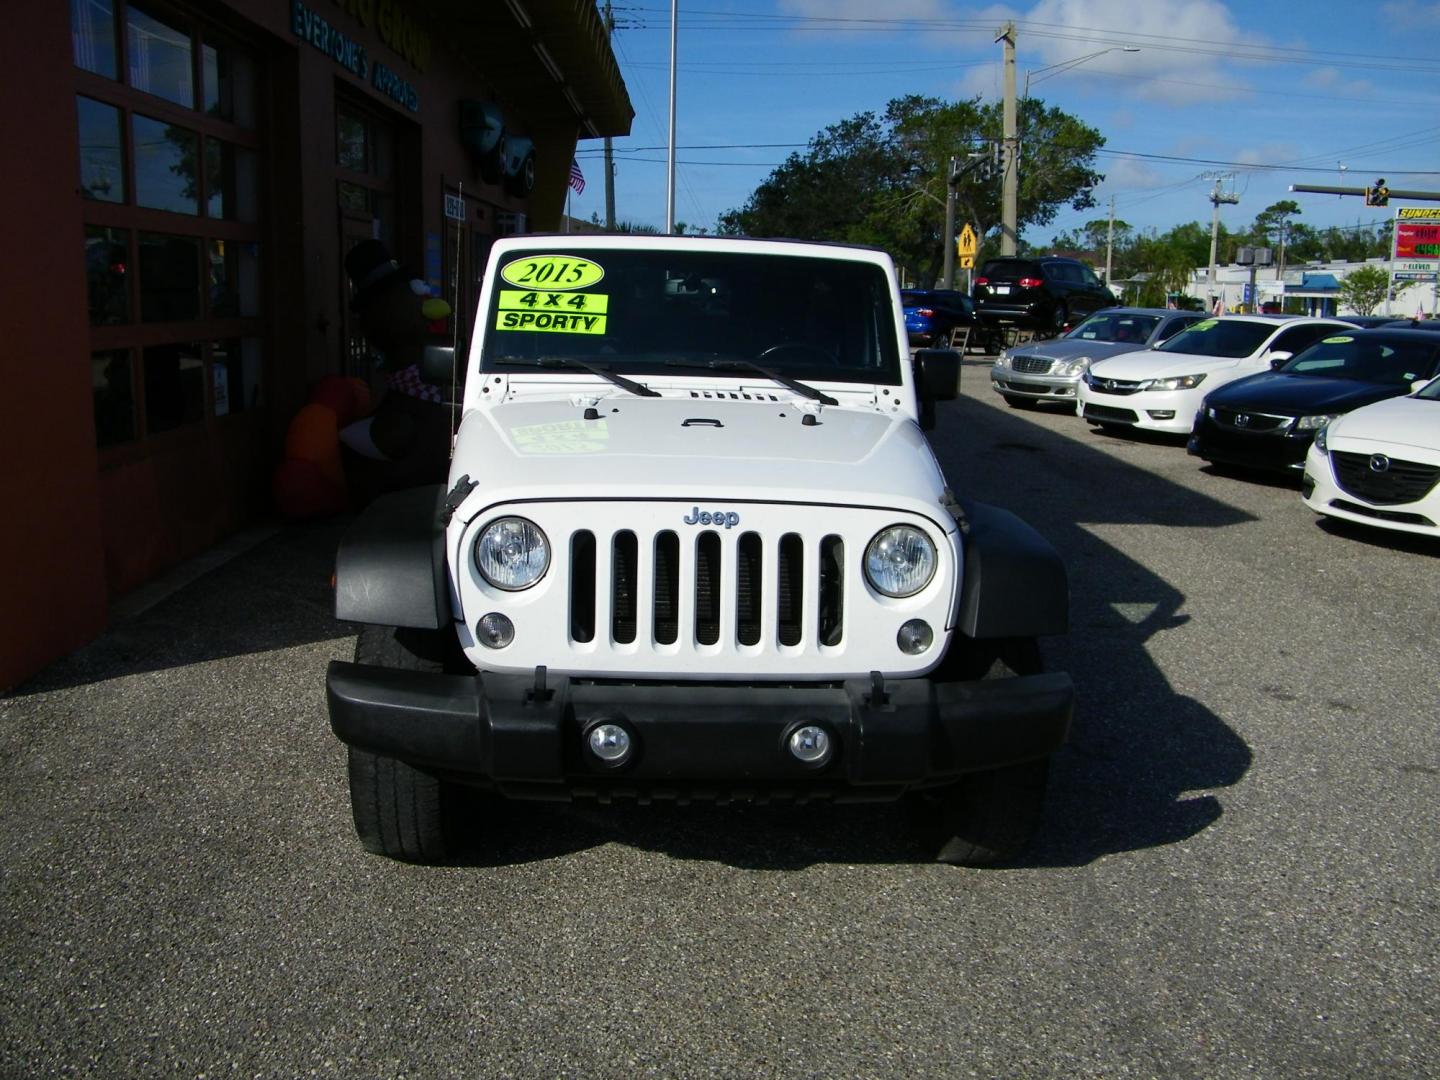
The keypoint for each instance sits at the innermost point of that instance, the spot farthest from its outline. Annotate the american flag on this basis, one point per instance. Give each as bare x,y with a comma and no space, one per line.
577,178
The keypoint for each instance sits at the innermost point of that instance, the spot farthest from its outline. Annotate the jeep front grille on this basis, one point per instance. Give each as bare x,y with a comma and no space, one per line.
759,575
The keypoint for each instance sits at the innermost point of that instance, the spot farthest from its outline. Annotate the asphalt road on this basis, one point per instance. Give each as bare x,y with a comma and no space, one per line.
1238,874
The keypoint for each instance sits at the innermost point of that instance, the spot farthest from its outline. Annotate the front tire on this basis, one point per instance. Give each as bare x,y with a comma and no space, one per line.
988,817
401,811
1058,318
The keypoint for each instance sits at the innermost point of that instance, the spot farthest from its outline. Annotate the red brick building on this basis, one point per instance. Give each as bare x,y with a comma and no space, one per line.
184,179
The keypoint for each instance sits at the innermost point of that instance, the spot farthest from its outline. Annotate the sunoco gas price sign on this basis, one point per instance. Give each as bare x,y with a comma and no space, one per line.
1417,242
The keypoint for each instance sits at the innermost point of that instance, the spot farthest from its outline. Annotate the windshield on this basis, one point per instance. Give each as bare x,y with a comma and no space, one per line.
1116,328
642,311
1220,337
1366,359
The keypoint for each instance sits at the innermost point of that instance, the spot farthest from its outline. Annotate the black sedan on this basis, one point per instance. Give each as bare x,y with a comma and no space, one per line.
1267,421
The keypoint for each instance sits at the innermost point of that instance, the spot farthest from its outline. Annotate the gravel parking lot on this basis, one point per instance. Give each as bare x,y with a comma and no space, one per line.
1238,874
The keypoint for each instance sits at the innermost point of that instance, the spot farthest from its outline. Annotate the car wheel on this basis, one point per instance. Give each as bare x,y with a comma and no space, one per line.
399,810
987,817
1058,318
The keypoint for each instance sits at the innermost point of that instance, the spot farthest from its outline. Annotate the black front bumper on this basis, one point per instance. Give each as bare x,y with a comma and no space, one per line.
1270,450
499,731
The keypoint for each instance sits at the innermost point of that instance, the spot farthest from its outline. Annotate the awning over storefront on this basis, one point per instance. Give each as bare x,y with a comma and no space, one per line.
508,40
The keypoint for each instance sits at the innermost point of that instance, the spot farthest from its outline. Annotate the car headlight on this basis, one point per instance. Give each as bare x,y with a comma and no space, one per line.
1177,382
1313,423
1322,439
1003,360
512,553
900,561
1073,367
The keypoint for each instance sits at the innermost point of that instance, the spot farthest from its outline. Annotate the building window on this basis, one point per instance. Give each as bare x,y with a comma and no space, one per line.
170,149
92,32
159,58
102,151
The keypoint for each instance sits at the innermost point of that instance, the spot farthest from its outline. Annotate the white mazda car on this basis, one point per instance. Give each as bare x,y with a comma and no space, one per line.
1380,465
1161,389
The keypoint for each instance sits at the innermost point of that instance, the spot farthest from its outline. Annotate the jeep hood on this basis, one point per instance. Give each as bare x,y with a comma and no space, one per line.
696,449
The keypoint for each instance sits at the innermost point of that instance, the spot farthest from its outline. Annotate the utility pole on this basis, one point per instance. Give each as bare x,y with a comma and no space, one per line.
950,224
1216,198
1010,185
1109,242
609,145
670,179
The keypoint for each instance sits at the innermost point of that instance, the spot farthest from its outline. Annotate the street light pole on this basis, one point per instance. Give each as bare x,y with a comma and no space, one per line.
1010,188
1075,61
1010,184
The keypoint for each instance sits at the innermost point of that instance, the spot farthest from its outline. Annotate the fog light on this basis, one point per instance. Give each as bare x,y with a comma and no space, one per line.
915,637
611,743
1161,414
495,631
810,744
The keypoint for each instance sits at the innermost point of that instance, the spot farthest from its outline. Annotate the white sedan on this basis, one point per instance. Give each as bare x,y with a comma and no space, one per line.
1161,389
1380,465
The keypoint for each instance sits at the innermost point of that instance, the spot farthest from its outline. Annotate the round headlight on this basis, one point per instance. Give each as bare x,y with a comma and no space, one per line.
899,561
512,553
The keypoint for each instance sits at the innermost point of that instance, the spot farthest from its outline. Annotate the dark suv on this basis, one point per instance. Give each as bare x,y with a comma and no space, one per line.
1047,293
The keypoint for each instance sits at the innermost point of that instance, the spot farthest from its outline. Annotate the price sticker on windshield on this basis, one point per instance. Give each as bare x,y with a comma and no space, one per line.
1208,324
551,312
1337,341
552,272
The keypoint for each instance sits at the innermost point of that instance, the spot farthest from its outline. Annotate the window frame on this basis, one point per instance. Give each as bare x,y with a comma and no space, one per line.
134,337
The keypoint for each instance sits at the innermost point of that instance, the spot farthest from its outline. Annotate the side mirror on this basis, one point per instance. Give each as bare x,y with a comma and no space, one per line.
1278,358
437,365
937,378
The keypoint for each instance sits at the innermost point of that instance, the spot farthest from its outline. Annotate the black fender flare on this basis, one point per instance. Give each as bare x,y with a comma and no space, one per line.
1015,582
390,569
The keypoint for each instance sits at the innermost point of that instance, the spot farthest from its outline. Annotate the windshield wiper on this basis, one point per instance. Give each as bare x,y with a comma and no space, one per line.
570,362
749,365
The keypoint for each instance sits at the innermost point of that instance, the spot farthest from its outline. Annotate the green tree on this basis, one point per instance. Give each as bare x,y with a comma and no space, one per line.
881,179
1366,287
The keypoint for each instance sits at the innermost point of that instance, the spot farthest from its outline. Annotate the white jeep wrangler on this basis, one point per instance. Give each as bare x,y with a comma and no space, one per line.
694,545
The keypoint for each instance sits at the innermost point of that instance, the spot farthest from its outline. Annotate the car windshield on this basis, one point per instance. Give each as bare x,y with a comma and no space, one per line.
642,311
1220,337
1366,358
1116,327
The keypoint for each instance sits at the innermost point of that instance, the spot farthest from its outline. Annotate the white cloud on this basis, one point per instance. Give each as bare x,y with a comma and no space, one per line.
1332,81
1128,174
1197,74
1411,12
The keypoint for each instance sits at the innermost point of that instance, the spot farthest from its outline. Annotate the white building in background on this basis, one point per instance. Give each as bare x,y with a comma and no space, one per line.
1317,284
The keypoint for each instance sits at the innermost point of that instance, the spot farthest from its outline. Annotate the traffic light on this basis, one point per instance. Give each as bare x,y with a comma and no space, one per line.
1379,195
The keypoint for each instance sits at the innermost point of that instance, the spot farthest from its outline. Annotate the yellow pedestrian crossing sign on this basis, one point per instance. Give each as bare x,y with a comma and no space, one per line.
965,246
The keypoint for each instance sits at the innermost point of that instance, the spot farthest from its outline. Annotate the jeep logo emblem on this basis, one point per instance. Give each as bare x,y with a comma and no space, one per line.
728,518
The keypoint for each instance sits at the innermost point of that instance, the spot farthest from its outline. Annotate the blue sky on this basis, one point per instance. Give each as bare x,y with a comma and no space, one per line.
1306,91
